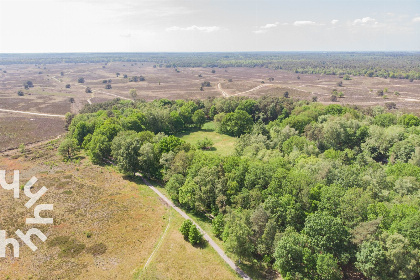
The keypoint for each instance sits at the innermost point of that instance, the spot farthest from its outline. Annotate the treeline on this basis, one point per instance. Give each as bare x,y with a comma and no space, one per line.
401,65
313,191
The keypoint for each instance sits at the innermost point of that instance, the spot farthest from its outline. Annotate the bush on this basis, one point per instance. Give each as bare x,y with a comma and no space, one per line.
81,80
195,236
185,228
20,93
204,144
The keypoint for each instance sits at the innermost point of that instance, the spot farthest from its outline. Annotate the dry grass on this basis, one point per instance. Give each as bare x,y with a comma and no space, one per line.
178,259
105,226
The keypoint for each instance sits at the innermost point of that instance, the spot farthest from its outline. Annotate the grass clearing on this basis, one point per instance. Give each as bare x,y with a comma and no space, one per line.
222,144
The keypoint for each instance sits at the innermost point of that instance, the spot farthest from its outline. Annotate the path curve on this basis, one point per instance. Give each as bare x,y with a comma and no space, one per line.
225,94
205,235
32,113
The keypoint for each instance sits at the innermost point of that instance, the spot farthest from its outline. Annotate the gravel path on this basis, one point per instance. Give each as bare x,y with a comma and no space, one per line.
205,235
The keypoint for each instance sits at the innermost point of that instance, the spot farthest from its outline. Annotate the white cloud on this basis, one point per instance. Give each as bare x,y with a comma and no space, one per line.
270,25
304,23
334,21
194,28
416,19
365,21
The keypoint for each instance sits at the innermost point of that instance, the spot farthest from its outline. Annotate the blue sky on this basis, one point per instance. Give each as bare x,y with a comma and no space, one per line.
208,25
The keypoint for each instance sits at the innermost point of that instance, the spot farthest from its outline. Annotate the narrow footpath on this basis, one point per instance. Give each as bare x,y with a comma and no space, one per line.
205,235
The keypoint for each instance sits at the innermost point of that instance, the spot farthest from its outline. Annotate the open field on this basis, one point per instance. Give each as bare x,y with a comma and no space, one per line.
50,95
100,218
222,144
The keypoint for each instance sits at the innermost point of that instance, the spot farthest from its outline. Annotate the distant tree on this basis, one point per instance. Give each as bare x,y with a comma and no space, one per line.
61,73
71,99
81,80
286,94
125,76
20,93
108,86
133,93
200,76
205,84
104,81
88,90
68,148
68,118
213,71
314,98
118,74
340,84
298,77
333,98
270,79
68,86
230,80
390,105
28,84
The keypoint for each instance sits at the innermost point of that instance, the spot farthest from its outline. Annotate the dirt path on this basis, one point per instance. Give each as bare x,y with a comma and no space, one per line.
225,94
32,113
205,235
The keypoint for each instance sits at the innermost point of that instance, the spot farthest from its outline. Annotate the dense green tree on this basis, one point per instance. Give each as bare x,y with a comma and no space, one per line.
68,148
185,228
329,235
236,124
199,118
195,236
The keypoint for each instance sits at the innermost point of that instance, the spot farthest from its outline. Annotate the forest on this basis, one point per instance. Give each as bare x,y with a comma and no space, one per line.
312,191
399,65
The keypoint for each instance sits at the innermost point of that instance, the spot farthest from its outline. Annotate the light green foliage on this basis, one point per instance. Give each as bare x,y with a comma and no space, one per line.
328,268
294,259
328,234
218,225
236,124
204,144
185,228
237,235
194,235
125,151
199,118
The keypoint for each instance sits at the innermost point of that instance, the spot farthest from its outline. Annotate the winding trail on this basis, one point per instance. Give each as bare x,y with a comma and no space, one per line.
225,94
205,235
32,113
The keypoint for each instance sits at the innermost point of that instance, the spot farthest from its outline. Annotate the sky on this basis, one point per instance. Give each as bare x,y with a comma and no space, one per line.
37,26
